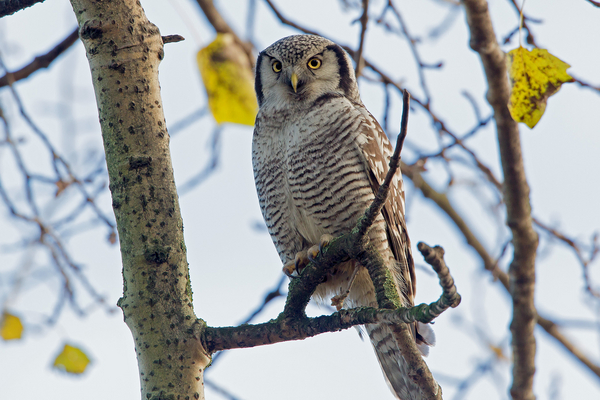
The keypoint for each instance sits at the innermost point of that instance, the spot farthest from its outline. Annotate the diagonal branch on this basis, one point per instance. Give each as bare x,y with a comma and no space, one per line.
8,7
40,62
491,264
221,26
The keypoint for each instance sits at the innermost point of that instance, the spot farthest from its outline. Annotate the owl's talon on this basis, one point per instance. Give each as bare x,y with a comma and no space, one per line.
301,261
313,252
325,240
297,265
289,268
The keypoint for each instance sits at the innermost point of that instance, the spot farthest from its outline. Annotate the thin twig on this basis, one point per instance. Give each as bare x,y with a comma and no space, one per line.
364,19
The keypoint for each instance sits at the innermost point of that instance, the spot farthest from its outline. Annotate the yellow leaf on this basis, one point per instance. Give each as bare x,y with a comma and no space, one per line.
10,327
72,359
535,75
227,76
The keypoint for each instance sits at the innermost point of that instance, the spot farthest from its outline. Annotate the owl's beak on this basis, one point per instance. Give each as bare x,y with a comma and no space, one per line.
294,80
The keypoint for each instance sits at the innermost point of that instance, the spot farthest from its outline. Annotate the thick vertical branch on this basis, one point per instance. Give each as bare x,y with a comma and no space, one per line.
516,197
124,51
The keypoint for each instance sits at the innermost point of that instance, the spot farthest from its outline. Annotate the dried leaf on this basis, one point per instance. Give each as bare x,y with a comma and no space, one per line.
11,327
227,77
112,238
498,352
535,76
61,186
72,360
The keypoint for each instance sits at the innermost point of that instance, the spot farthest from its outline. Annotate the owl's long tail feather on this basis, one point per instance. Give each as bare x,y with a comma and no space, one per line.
394,366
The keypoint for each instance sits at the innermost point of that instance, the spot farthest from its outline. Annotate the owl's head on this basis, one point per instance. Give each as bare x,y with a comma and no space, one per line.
297,70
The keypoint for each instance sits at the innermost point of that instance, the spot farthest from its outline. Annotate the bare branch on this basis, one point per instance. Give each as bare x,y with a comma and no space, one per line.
516,198
9,7
529,39
375,208
289,327
40,62
172,39
552,329
221,26
364,19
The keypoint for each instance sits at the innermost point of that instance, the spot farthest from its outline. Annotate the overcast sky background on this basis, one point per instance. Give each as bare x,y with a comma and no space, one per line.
233,264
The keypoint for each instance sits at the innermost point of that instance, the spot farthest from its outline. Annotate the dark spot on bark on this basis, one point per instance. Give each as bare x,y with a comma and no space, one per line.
116,66
144,202
139,162
90,30
157,255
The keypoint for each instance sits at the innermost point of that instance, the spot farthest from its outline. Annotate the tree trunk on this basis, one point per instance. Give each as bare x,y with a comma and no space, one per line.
124,50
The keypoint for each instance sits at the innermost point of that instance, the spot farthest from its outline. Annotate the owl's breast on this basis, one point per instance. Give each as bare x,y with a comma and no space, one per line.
310,176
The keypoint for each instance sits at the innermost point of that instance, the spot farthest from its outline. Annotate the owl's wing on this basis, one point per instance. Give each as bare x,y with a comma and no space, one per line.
376,153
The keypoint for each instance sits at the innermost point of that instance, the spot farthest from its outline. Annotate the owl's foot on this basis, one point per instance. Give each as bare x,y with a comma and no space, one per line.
338,301
314,251
297,265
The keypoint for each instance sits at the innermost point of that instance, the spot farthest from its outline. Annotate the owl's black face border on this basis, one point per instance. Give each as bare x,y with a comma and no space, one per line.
346,81
257,82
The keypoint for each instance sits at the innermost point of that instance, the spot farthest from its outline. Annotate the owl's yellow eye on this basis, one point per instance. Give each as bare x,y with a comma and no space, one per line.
314,63
277,66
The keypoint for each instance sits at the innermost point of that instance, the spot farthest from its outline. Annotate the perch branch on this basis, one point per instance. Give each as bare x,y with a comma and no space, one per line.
287,327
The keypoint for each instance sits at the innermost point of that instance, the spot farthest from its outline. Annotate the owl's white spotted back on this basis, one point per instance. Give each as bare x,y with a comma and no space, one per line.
319,157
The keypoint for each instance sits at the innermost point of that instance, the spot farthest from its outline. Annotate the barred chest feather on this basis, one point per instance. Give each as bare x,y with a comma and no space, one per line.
309,174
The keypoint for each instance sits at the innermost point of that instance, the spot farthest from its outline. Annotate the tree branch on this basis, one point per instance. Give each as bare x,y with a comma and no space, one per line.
288,326
8,7
40,62
364,19
516,198
221,26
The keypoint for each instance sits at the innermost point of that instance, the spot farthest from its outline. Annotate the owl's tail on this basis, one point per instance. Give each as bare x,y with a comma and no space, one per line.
395,368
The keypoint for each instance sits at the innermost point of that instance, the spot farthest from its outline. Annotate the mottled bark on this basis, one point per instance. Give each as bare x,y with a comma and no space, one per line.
124,51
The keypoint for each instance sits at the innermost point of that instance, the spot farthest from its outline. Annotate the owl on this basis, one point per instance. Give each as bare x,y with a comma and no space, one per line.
319,157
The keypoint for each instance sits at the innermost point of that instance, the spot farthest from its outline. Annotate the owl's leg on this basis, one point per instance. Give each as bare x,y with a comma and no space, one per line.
338,301
296,265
